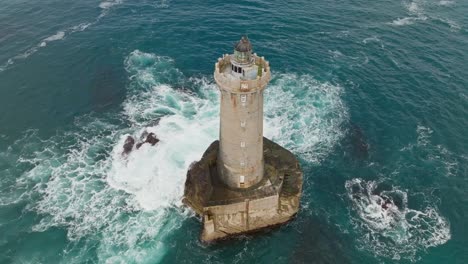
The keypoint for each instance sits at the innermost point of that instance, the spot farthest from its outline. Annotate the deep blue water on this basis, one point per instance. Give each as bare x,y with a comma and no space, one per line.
371,95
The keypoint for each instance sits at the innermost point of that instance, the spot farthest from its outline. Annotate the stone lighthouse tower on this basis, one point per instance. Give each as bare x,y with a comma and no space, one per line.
244,182
241,84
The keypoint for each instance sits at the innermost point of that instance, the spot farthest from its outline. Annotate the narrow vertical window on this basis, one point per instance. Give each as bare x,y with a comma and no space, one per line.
243,98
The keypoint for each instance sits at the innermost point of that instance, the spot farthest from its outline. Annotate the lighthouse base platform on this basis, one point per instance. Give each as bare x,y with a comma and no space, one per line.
227,211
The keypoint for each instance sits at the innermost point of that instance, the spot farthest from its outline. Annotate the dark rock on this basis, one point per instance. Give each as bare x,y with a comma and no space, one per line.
358,141
150,138
128,145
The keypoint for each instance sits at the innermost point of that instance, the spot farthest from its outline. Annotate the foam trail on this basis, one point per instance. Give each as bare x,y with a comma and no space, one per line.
304,115
62,34
388,226
59,36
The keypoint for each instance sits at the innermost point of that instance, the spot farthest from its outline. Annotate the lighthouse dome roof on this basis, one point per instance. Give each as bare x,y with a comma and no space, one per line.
243,45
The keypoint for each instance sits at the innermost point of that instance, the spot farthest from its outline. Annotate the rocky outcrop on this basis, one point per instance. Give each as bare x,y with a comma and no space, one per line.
128,145
150,138
228,212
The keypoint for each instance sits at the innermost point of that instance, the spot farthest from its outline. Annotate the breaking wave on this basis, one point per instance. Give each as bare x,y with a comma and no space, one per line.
304,115
391,228
129,205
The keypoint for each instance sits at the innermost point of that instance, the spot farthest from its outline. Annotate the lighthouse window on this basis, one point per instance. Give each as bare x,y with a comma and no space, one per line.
243,98
235,68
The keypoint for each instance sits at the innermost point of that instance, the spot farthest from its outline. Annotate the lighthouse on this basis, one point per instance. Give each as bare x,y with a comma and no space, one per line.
241,78
244,182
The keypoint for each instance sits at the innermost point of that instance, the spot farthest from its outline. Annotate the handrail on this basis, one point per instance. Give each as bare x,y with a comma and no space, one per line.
238,85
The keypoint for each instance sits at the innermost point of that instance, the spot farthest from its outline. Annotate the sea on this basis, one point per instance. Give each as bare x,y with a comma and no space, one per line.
372,97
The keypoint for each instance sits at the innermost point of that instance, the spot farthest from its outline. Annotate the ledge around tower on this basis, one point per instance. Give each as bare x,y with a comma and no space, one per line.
227,212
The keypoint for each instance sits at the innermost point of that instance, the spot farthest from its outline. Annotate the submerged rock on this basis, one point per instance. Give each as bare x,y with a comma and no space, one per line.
128,145
359,144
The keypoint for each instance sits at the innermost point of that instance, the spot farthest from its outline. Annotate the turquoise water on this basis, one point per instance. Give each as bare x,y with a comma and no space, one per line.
370,95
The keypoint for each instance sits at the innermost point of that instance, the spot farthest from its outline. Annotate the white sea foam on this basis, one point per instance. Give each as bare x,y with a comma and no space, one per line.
424,134
414,7
335,53
156,175
304,115
415,11
407,20
403,21
84,184
446,3
301,114
110,3
81,27
389,227
58,36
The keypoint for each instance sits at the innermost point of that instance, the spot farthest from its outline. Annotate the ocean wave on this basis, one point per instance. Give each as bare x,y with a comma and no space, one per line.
446,3
79,180
61,34
388,227
416,11
304,115
404,21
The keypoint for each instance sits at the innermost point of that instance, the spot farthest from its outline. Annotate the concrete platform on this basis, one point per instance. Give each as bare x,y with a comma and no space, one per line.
227,212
